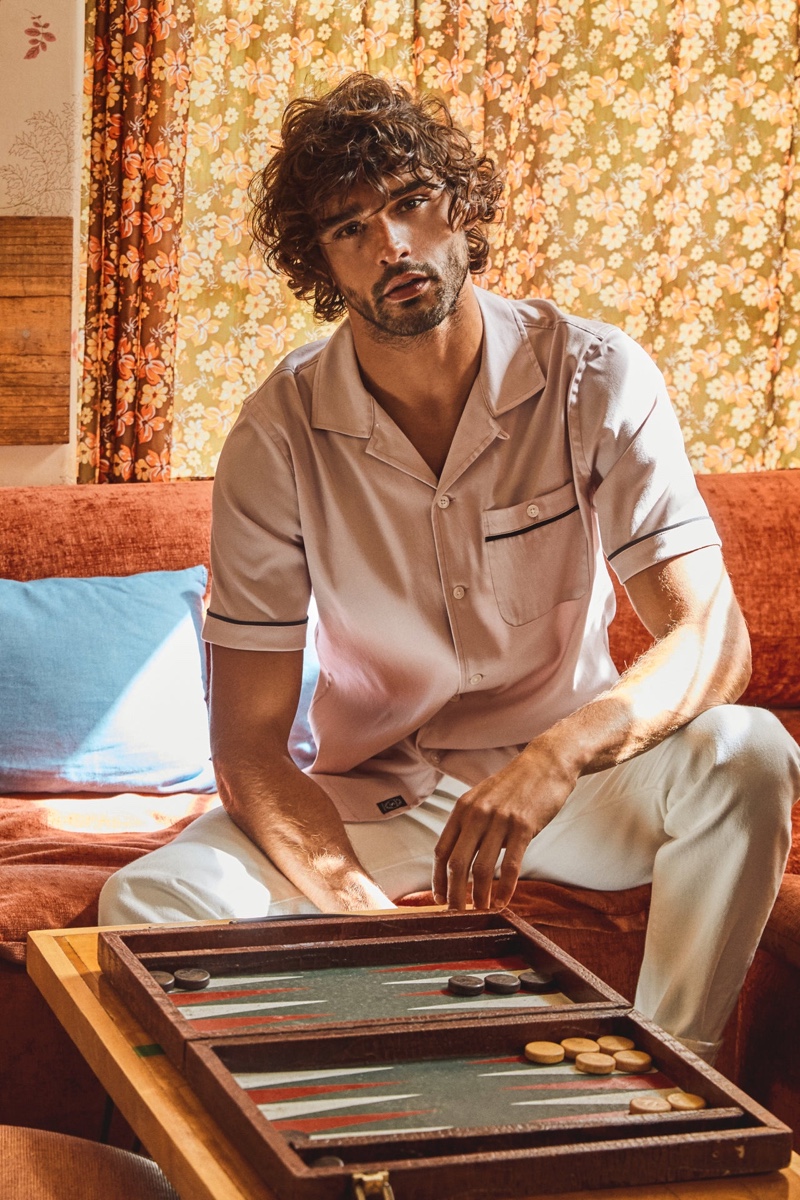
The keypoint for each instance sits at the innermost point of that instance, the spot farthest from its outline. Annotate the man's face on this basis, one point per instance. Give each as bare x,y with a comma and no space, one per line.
397,261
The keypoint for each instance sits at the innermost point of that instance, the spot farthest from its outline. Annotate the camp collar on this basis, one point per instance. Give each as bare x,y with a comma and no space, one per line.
508,374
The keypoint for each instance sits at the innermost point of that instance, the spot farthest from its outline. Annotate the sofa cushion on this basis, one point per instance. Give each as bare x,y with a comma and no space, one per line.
103,684
56,852
753,513
119,530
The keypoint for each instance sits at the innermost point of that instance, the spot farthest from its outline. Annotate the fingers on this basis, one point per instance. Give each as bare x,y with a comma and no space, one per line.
484,864
509,871
487,820
441,856
471,841
452,862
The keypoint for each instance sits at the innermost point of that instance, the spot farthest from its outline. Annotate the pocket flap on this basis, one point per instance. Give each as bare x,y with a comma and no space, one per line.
530,514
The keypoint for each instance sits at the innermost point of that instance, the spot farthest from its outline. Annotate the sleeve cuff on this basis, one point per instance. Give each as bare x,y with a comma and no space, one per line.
243,635
651,548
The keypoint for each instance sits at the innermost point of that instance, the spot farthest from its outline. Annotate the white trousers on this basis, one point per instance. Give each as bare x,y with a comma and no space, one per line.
705,816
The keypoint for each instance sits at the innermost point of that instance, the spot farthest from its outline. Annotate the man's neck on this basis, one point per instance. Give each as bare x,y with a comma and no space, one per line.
423,382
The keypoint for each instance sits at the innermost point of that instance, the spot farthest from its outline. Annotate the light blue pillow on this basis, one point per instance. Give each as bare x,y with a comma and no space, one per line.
102,684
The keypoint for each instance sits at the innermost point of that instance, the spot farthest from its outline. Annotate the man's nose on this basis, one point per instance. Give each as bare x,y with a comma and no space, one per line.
392,242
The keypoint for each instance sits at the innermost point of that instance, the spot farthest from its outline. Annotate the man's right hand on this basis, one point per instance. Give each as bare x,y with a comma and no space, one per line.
254,698
501,814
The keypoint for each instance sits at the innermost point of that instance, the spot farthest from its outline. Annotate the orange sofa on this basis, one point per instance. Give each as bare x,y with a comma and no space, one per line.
56,851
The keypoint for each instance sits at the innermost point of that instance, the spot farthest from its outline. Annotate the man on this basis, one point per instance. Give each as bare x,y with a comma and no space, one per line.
449,474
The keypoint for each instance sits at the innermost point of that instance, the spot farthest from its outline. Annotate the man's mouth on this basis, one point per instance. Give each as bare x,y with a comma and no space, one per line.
405,287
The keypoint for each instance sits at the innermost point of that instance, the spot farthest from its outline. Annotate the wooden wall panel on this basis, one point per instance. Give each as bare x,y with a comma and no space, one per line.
35,330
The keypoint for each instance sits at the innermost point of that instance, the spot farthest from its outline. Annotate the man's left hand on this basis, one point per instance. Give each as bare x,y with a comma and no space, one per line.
503,813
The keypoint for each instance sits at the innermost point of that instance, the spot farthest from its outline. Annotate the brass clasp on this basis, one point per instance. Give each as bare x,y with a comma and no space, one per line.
375,1184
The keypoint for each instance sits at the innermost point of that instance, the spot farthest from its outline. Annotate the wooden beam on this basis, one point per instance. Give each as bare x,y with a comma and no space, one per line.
35,330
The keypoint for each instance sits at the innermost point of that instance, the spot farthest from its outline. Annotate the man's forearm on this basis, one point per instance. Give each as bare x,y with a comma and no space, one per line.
680,676
297,826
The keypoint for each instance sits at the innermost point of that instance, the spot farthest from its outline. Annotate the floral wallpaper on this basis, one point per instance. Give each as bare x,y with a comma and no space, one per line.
652,182
38,110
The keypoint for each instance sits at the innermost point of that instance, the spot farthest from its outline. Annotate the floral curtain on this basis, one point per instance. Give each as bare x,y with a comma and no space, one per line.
652,182
137,80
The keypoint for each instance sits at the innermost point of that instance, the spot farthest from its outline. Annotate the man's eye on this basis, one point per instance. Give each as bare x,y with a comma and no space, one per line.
347,231
414,201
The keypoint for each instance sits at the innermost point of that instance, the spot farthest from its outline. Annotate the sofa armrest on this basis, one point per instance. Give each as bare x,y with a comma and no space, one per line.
782,934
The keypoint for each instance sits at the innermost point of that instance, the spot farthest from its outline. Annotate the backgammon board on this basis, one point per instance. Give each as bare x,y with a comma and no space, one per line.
331,972
335,1055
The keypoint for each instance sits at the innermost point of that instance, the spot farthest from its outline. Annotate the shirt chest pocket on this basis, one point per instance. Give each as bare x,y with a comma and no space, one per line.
538,556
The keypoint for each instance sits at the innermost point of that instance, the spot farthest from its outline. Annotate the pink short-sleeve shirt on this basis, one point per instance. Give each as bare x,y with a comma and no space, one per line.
461,616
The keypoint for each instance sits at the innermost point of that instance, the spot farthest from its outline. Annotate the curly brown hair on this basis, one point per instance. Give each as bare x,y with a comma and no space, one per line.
364,131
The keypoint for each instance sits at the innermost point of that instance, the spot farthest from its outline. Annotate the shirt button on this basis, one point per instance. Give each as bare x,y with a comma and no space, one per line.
475,679
436,757
459,592
532,510
443,502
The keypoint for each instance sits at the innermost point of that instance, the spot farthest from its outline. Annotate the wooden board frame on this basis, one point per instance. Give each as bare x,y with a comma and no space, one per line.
126,960
735,1136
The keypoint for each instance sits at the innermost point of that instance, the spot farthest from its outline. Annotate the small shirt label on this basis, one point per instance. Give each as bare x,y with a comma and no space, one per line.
387,806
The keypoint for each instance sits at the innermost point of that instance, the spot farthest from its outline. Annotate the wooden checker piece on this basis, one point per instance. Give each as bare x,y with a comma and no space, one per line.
573,1046
164,979
294,1135
544,1052
650,1104
611,1044
685,1102
503,983
633,1061
465,985
594,1064
537,981
192,979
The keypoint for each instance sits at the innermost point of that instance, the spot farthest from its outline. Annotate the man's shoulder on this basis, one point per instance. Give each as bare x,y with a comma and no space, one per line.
305,356
287,388
297,367
605,356
544,320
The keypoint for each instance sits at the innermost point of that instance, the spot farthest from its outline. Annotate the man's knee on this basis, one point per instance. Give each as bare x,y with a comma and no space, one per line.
148,892
119,902
753,741
748,751
183,882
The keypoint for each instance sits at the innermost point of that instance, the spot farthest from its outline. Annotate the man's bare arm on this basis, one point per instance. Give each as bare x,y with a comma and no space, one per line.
254,697
700,658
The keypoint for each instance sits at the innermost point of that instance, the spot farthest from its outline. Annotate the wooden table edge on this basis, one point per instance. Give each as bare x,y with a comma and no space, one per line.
167,1126
190,1162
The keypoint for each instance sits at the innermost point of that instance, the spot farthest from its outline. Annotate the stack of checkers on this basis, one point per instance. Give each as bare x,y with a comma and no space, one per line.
608,1054
189,979
503,983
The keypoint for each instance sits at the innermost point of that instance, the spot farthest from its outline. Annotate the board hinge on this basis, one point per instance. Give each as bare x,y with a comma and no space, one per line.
375,1184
